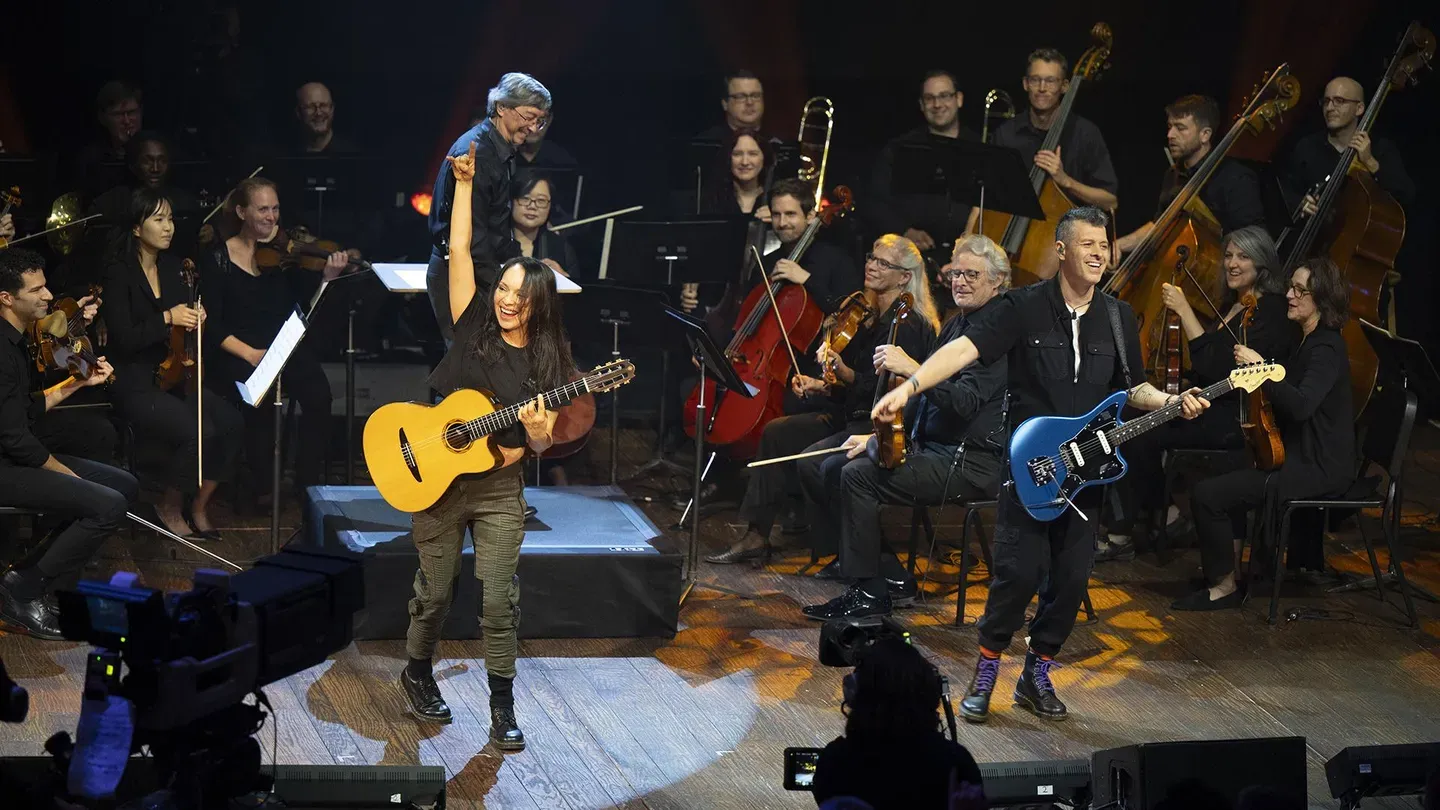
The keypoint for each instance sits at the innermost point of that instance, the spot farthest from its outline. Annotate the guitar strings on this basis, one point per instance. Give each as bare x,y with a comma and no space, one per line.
501,418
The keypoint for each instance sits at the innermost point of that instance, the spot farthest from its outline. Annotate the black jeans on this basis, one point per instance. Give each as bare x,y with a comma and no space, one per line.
304,381
169,418
930,475
1052,559
95,503
771,485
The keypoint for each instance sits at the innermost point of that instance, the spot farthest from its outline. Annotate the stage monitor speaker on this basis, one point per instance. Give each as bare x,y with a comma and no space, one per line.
415,787
1360,772
1045,783
1197,774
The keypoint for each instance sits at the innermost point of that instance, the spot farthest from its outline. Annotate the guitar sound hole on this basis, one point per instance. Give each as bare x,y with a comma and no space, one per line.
456,436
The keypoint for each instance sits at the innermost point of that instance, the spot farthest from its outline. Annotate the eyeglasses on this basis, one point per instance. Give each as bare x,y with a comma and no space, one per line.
933,98
534,202
1337,101
871,257
318,107
1300,292
1043,81
972,276
536,121
739,98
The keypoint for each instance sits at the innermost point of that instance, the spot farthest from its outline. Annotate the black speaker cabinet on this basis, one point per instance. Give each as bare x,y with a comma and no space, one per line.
1196,774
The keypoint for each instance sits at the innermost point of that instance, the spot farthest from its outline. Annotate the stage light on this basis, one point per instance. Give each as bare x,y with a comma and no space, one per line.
421,203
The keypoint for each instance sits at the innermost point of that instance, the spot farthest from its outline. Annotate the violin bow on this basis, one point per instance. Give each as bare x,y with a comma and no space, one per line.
1185,265
199,396
774,307
221,205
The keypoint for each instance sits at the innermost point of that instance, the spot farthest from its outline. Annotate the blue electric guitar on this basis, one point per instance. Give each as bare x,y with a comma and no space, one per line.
1052,458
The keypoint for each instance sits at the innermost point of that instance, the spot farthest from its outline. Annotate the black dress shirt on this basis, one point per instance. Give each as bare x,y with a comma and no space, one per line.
22,401
1271,333
1314,158
490,241
1082,148
915,337
1316,414
832,274
1031,328
139,338
969,407
936,214
1232,194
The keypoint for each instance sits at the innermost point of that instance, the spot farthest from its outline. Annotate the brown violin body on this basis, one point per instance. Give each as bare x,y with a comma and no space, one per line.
888,449
843,325
573,423
1262,434
179,364
61,342
297,248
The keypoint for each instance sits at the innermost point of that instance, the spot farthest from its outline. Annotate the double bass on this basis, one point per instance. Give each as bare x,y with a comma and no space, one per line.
1359,225
1187,222
1026,241
775,313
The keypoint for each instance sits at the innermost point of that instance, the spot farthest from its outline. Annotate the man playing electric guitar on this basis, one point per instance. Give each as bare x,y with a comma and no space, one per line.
1064,357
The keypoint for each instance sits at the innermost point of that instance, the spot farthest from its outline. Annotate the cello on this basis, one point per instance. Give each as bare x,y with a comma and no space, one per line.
1025,241
1187,222
1359,225
773,314
888,449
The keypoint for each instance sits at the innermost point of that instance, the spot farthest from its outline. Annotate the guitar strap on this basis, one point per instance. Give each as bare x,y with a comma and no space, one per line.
1112,310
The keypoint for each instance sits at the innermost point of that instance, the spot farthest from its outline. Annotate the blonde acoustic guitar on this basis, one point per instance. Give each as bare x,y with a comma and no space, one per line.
414,451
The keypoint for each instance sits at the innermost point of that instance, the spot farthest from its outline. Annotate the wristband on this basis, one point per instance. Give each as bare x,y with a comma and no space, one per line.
914,385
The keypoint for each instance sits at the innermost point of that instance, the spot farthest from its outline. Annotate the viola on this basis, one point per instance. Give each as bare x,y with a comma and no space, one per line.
1258,419
1171,348
774,314
298,248
61,342
179,364
888,449
842,326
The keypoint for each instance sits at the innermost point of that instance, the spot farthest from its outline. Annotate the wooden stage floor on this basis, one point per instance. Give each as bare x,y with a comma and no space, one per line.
700,720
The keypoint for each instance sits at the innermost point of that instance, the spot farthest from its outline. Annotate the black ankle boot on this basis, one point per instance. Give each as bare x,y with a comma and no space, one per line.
504,730
423,695
1035,693
975,707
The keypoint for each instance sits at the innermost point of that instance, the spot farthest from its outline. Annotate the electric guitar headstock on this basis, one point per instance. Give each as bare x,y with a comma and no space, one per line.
1250,377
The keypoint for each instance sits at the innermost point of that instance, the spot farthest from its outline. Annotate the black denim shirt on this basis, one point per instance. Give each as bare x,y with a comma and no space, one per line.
968,407
21,401
491,240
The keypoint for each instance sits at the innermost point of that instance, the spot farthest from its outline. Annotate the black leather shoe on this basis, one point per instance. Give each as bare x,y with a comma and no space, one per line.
709,491
830,571
504,731
423,694
1200,600
975,707
1035,693
1109,550
903,592
855,603
36,617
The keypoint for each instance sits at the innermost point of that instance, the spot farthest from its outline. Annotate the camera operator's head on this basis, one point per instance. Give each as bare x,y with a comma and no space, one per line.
896,693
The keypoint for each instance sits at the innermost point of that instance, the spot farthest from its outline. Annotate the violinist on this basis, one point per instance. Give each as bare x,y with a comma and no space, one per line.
1252,268
739,183
1315,414
92,496
146,296
147,156
1232,193
1313,158
247,304
955,450
894,266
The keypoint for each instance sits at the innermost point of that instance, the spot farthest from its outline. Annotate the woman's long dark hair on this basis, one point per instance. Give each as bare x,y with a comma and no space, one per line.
720,198
897,693
1330,290
546,345
144,202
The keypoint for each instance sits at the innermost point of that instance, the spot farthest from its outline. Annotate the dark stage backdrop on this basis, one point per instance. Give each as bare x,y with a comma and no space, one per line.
633,78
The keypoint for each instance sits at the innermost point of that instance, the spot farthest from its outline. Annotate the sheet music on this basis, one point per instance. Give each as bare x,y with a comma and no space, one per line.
410,278
254,389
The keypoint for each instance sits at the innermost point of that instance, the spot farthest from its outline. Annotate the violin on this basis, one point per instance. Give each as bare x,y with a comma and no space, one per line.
842,326
61,342
11,198
179,365
888,449
1258,419
1171,347
299,248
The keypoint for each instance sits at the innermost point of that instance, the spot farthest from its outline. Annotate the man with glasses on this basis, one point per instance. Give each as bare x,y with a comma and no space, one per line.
744,106
315,110
932,221
957,436
1315,155
516,107
120,111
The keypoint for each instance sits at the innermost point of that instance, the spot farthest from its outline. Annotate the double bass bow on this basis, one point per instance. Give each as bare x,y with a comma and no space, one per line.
888,449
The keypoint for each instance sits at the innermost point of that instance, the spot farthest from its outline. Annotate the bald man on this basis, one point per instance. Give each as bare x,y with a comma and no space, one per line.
1315,155
315,110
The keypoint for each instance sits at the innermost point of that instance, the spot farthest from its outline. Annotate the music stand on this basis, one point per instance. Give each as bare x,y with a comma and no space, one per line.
978,174
681,250
252,392
709,359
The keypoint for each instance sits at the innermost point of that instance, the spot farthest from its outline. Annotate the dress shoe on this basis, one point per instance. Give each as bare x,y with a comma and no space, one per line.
975,707
36,617
709,491
504,731
737,554
423,694
855,603
1035,693
211,535
903,592
1200,600
1110,550
830,571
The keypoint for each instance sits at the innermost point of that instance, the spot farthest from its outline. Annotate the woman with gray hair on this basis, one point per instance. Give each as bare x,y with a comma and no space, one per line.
516,107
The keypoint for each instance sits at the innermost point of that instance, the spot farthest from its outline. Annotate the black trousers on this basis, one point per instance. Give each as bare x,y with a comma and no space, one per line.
1052,559
95,503
931,474
304,381
772,485
1143,486
169,418
74,431
1221,504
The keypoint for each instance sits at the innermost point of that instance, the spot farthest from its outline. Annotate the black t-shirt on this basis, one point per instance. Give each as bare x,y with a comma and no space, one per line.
1314,158
913,775
1082,148
509,380
1232,194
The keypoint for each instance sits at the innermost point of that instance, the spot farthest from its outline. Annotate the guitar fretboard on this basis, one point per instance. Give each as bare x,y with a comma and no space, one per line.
497,421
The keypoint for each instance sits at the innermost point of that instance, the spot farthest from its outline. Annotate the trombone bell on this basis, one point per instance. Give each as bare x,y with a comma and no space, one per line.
817,117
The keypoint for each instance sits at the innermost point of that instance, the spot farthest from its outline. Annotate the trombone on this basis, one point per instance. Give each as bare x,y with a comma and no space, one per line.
996,96
815,154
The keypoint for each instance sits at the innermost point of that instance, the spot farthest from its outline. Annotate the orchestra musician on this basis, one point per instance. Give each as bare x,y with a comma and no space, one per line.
1315,413
1314,155
509,340
531,201
246,305
120,111
1232,193
929,220
92,496
743,104
147,156
737,185
1251,268
315,112
893,267
957,436
1062,360
514,108
147,295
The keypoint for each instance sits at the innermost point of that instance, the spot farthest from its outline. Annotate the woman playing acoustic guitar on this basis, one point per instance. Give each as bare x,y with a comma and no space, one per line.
509,342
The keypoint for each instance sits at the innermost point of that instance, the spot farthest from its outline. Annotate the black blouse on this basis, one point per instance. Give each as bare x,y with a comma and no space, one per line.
1316,415
1272,334
139,338
250,308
